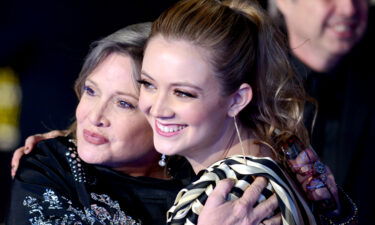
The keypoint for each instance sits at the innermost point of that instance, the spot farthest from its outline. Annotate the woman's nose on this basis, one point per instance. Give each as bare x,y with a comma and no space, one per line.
98,116
161,107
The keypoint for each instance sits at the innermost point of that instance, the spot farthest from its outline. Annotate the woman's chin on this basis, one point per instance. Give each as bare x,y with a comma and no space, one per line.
90,157
169,149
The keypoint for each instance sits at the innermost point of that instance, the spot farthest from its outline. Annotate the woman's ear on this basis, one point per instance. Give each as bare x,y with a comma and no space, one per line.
240,99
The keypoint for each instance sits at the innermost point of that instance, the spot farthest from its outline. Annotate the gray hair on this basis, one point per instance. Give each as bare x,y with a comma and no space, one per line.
129,41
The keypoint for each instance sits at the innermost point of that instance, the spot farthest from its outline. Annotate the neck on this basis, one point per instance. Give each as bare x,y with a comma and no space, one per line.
317,60
228,145
144,169
154,172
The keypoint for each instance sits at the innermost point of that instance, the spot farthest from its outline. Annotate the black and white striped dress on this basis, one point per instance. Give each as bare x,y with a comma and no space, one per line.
190,200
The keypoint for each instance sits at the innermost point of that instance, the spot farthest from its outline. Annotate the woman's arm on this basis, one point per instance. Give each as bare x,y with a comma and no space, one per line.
42,189
30,143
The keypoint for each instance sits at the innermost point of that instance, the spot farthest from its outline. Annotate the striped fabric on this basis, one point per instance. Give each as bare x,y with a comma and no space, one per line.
190,200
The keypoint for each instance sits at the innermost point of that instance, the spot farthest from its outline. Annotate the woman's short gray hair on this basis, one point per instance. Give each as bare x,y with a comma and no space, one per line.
129,41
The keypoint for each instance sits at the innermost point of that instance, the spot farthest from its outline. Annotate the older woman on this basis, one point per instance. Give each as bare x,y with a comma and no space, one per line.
106,170
88,176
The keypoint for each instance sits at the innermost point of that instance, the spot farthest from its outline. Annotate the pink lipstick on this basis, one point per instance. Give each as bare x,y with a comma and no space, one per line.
168,130
94,138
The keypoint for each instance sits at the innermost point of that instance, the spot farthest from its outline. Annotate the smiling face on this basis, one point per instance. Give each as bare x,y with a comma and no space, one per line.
329,26
182,100
111,130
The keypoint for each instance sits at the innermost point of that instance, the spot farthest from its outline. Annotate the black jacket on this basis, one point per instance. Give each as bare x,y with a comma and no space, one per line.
53,186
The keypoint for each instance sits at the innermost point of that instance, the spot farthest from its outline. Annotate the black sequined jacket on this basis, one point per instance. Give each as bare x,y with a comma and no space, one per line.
53,186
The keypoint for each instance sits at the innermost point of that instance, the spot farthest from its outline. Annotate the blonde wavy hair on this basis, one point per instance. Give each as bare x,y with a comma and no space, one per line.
245,47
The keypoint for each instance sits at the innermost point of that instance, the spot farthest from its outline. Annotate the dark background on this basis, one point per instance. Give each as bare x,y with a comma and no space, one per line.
45,42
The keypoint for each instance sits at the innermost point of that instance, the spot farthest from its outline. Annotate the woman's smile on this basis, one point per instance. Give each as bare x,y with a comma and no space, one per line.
168,130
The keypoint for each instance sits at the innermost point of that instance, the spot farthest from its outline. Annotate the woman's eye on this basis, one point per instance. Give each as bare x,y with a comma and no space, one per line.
184,94
146,84
88,90
125,104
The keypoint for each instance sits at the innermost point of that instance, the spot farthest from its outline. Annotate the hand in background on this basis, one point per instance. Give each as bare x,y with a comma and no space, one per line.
315,177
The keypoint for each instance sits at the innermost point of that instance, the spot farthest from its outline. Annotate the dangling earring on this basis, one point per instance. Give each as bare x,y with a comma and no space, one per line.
162,161
239,138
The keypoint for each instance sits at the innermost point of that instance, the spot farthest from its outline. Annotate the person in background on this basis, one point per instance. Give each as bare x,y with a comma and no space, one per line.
330,48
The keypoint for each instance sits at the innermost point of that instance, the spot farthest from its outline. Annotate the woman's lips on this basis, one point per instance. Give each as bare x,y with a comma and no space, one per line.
345,30
168,130
94,138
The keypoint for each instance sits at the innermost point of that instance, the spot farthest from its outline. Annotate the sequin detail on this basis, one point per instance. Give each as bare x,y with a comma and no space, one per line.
56,210
75,162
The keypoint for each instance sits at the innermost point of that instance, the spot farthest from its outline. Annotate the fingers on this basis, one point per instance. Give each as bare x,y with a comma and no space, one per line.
275,220
329,190
16,159
303,162
326,197
239,211
315,185
322,190
316,189
311,154
31,141
55,133
252,193
316,178
267,207
220,192
331,184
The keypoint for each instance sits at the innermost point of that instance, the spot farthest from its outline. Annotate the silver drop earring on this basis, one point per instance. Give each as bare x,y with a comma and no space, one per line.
239,138
162,161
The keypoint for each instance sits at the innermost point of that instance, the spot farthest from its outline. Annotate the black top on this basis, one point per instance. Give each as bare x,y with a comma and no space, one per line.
53,186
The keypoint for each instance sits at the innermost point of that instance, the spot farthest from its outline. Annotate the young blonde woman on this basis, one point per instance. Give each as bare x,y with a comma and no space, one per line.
217,88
